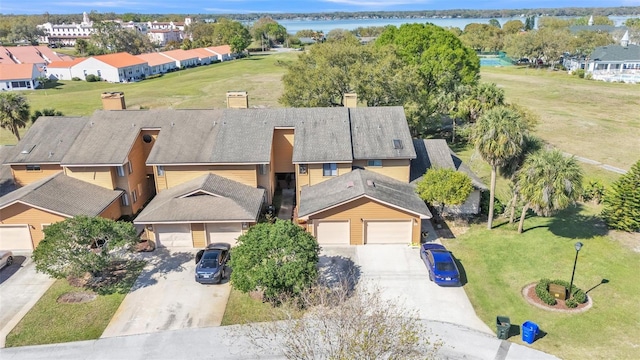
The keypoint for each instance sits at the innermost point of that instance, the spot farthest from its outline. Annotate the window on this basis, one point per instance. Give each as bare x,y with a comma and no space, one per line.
397,144
134,195
120,170
330,169
130,167
125,200
160,170
377,163
33,168
302,169
262,168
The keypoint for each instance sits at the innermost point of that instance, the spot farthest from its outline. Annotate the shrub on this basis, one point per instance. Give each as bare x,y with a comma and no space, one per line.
579,73
498,206
571,303
542,292
622,202
75,78
593,191
154,76
92,78
577,295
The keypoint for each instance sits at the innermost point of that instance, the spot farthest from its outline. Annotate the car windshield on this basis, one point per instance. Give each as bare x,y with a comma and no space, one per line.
209,260
445,266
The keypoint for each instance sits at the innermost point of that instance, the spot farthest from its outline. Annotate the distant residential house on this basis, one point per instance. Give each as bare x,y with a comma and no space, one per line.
435,153
161,37
182,58
118,67
67,34
204,56
620,63
222,52
19,76
61,70
157,64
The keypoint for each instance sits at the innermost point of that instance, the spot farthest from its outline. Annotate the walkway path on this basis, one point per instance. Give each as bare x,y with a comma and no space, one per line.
597,163
286,206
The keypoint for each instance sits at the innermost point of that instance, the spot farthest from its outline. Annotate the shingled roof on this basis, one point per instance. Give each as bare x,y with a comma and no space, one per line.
384,138
6,176
48,140
208,198
436,153
616,53
357,184
63,195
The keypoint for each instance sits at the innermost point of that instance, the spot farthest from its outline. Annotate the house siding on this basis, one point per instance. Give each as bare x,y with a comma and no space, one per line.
112,211
137,180
97,175
315,172
283,150
21,214
363,209
470,207
198,235
22,177
244,174
264,181
394,168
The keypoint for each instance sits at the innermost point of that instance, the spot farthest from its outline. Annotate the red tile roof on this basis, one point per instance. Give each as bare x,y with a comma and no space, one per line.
4,56
202,52
222,49
50,54
26,54
154,59
16,71
65,64
120,60
179,54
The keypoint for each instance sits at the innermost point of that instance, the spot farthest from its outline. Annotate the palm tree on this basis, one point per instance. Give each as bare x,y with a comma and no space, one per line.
548,182
499,138
14,112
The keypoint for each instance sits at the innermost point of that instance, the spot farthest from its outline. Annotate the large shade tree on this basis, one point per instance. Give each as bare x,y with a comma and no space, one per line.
548,182
14,112
498,136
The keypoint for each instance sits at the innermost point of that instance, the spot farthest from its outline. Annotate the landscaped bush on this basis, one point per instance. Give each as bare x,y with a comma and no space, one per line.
154,76
592,191
75,78
92,78
577,295
579,73
498,206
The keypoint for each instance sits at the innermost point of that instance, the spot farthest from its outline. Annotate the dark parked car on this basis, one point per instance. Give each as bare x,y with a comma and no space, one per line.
211,263
439,261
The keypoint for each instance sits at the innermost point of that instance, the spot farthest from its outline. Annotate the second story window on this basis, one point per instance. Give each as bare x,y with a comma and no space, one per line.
302,169
376,163
130,167
125,200
262,168
34,168
120,170
160,170
134,195
330,169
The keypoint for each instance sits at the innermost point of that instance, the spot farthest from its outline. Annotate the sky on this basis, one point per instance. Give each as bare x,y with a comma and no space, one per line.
281,6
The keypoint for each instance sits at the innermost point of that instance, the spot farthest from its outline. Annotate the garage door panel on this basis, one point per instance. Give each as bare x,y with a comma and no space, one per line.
388,232
224,232
174,235
333,232
15,237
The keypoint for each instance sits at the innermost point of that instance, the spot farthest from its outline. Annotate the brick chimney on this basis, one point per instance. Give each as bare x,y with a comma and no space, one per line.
237,100
350,100
113,101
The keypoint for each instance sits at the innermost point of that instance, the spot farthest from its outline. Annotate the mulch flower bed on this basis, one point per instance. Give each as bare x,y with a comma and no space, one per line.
529,293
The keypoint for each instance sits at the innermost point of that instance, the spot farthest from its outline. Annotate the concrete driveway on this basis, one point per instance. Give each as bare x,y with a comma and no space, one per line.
166,297
399,273
20,288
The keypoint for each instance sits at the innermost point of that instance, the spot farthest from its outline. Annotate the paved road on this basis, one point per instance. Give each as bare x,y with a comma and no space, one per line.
166,297
20,288
232,342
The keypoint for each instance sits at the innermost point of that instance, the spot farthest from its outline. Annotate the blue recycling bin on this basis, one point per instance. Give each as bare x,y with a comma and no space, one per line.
529,332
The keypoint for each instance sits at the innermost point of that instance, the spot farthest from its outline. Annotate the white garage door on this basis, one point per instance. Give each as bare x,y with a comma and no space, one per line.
173,235
333,232
15,237
224,232
387,232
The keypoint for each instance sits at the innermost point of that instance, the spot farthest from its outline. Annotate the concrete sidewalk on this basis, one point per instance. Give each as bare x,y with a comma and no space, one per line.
233,342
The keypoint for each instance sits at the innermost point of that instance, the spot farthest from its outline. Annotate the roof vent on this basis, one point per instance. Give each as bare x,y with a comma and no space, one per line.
397,144
371,183
350,184
50,153
27,149
173,124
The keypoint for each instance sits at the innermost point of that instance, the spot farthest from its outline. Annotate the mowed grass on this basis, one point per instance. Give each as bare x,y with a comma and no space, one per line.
50,322
592,119
500,262
243,309
202,87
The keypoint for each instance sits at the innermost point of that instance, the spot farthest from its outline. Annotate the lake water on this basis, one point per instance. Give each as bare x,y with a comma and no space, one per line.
325,26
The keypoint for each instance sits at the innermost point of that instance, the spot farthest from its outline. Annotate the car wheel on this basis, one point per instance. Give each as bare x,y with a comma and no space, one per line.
9,260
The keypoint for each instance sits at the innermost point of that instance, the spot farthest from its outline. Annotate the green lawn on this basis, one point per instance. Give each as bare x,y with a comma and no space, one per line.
202,87
50,322
243,309
593,119
499,263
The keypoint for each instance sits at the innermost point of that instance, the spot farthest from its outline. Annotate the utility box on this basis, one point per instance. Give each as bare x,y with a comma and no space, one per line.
237,100
558,291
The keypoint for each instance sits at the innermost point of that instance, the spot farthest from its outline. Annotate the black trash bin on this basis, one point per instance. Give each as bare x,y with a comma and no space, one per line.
503,325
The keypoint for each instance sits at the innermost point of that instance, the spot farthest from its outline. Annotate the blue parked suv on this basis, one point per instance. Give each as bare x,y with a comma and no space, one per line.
211,263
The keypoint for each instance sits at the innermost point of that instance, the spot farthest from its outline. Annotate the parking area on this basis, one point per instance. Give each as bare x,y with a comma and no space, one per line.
20,288
399,273
166,297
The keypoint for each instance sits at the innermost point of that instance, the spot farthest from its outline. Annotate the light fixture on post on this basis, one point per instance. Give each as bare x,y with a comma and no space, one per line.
578,246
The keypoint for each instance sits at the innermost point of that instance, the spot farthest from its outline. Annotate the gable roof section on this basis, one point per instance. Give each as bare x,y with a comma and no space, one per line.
65,64
200,53
221,50
155,59
361,183
50,55
435,153
208,198
374,130
27,54
48,140
5,56
321,134
120,60
17,71
63,195
616,53
179,55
